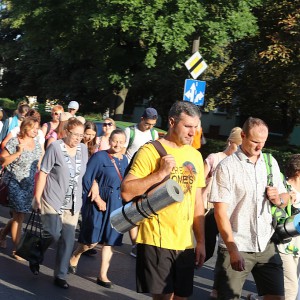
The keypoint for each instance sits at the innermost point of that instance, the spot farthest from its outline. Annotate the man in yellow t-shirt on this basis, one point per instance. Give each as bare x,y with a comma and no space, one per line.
166,254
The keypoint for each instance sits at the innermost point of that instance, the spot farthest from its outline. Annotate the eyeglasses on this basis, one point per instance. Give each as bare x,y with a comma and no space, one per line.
107,124
149,124
78,135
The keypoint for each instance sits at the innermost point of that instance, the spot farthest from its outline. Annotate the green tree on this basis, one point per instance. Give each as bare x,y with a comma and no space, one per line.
263,76
86,50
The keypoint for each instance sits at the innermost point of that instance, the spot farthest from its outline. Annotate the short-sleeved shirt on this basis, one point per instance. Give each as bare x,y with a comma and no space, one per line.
173,228
140,138
54,164
242,185
211,161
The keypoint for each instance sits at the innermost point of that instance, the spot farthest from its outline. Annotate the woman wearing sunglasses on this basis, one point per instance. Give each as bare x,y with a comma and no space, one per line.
109,126
49,127
59,132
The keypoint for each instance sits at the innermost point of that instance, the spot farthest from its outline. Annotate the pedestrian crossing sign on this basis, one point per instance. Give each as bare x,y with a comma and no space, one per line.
196,65
194,91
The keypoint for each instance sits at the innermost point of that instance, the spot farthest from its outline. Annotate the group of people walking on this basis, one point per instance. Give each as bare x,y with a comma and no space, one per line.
57,176
89,171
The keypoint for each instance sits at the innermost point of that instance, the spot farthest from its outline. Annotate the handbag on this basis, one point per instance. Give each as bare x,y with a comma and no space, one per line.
3,189
32,245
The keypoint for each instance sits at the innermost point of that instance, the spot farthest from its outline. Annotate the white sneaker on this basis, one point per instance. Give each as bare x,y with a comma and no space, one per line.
133,251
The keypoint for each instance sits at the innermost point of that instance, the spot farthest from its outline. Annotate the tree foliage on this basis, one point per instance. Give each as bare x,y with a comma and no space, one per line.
263,78
86,49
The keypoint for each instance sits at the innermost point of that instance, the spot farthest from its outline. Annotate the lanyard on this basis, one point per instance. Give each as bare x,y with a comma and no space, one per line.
115,165
73,179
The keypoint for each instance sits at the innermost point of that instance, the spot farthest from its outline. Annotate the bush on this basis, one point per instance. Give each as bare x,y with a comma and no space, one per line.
280,153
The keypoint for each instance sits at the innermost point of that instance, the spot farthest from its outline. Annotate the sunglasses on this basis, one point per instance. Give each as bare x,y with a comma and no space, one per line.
107,124
57,113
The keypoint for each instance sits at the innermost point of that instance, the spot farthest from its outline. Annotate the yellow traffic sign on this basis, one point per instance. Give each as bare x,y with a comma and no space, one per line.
196,65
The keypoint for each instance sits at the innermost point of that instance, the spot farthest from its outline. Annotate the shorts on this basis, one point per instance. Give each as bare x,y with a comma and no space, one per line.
266,268
164,271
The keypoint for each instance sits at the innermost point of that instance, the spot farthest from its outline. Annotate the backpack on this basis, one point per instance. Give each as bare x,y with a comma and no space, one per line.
279,214
46,139
132,135
48,128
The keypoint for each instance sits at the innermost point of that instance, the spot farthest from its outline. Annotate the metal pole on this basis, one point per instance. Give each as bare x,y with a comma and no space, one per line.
196,44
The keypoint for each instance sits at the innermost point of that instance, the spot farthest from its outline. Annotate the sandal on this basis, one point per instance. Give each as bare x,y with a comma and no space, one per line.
72,269
17,257
61,283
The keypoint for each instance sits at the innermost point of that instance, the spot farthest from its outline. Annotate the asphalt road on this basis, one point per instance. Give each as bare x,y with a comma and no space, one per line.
18,283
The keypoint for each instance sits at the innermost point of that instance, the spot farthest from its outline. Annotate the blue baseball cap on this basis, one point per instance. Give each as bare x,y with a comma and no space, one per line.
150,113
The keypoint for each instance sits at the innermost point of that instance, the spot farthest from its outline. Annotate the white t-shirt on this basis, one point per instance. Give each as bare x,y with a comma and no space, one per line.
40,136
140,138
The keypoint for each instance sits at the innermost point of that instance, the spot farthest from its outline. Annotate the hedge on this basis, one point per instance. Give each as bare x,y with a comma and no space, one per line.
281,153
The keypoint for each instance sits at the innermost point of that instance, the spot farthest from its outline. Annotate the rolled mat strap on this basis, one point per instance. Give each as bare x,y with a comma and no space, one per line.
139,208
125,216
152,210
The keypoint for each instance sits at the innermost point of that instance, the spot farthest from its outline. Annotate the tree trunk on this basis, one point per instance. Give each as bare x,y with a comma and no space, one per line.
119,108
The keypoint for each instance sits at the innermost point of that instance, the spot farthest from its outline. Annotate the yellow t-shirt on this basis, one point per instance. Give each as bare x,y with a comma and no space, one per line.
197,139
173,227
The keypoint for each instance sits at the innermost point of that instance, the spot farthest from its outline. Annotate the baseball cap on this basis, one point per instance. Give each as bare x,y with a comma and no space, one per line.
73,105
150,113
